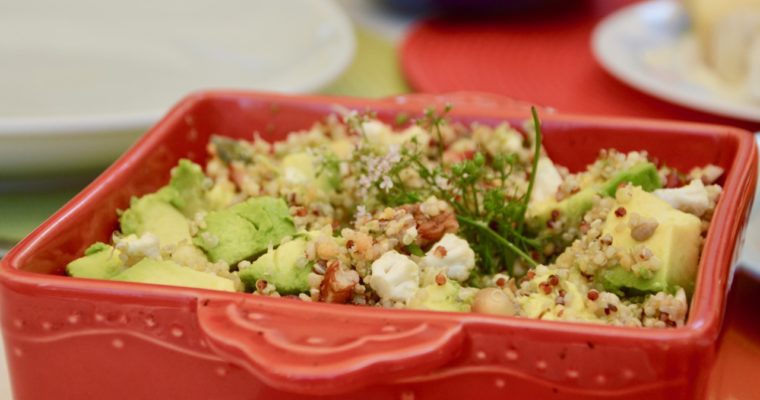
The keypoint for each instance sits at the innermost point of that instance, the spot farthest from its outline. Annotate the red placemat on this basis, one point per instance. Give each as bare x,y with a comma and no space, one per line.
543,58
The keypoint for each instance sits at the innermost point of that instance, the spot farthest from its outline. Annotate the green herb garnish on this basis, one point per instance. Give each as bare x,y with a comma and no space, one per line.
489,208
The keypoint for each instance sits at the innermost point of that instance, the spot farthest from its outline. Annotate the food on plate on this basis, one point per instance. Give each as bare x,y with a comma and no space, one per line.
430,215
728,33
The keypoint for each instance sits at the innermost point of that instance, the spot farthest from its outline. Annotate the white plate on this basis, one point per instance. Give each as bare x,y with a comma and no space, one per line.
648,46
80,79
750,255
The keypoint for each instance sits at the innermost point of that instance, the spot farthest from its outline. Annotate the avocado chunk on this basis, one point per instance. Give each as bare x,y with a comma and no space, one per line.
152,214
541,305
245,230
100,261
185,190
171,273
286,267
301,168
675,242
436,297
230,150
572,209
643,175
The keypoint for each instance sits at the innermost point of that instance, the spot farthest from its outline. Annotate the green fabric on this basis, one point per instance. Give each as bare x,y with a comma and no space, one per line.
21,212
375,72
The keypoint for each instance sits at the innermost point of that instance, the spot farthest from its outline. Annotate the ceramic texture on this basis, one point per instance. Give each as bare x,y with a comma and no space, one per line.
165,342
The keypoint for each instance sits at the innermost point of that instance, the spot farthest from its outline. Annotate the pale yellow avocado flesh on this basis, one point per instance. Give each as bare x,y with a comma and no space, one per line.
100,261
150,214
544,306
301,168
439,298
173,274
284,267
676,243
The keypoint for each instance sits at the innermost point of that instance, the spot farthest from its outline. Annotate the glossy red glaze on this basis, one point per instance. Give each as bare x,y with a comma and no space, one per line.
78,338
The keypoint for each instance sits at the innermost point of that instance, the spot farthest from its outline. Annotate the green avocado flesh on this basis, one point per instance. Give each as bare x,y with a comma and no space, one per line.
439,298
285,267
171,273
100,261
573,208
675,243
150,214
245,230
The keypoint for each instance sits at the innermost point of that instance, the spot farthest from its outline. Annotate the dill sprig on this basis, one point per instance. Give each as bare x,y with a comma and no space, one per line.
489,209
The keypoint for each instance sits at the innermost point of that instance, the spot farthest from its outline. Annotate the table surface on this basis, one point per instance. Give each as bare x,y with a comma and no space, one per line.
375,73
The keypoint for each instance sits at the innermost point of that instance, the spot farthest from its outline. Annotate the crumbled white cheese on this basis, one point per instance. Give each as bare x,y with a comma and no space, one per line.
707,174
513,141
133,248
376,131
394,276
453,255
547,181
294,176
692,198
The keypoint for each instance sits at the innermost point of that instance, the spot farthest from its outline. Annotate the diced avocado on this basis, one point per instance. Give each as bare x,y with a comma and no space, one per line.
100,261
230,150
286,267
220,195
643,175
622,281
301,168
436,297
245,230
171,273
675,242
185,190
152,214
539,304
572,209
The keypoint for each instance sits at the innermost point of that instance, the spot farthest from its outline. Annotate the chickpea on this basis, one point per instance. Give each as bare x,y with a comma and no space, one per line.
493,301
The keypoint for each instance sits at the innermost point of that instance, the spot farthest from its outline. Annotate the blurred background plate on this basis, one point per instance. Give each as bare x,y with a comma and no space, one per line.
750,256
647,45
81,79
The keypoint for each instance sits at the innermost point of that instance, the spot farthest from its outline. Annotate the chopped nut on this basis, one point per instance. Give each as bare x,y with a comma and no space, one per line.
338,284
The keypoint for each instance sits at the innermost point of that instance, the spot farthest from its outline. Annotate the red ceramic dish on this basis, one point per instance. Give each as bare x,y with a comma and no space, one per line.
76,338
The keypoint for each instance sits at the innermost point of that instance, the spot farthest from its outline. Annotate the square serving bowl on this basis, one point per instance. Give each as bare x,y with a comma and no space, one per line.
72,338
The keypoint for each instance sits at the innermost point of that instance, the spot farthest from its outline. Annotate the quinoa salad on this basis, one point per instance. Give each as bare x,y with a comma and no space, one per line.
423,214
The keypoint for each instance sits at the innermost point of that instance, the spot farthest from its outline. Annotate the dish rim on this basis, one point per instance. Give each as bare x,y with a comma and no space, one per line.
705,324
